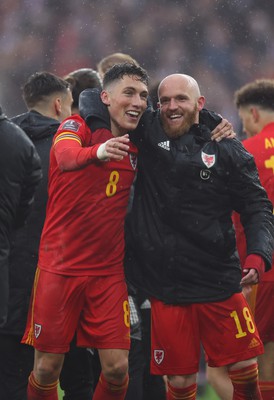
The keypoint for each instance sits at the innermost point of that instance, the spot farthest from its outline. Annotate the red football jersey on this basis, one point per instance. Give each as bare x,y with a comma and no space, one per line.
261,146
83,232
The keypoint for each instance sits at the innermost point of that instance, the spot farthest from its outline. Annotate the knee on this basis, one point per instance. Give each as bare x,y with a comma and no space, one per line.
244,373
48,369
216,374
181,381
244,378
116,371
242,364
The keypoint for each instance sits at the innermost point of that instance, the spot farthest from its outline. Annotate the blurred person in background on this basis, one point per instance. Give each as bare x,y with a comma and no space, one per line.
115,58
20,173
80,266
137,28
255,104
79,80
49,100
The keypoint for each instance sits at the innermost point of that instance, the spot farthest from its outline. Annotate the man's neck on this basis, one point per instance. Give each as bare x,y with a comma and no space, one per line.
45,112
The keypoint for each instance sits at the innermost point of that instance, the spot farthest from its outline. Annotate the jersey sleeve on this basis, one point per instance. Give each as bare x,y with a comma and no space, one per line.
73,145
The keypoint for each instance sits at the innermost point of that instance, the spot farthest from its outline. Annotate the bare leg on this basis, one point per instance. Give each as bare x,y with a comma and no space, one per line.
113,381
266,363
218,378
47,367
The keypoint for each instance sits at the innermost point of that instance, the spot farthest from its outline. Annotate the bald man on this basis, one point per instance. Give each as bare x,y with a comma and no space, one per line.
181,245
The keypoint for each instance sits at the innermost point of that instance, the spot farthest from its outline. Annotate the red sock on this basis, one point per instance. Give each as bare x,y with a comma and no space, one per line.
267,390
245,383
188,393
35,391
110,390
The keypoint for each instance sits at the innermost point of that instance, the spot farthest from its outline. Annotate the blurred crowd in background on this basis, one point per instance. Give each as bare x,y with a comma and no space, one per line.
223,44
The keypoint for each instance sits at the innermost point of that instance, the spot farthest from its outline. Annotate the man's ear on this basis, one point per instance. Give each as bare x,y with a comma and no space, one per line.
255,114
105,97
58,106
201,103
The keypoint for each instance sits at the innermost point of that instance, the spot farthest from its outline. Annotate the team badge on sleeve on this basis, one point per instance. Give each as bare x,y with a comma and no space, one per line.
159,356
71,125
208,159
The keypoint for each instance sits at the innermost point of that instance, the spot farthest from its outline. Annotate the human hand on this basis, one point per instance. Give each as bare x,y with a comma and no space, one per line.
222,131
251,277
114,149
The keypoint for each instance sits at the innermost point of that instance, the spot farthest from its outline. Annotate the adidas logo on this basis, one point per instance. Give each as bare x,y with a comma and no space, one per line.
164,145
254,343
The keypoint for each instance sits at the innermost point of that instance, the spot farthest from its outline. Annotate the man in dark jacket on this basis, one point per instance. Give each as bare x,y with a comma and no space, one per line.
49,101
20,173
181,243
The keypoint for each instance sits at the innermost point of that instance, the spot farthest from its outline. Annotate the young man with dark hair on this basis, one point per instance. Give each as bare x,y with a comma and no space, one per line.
40,86
80,283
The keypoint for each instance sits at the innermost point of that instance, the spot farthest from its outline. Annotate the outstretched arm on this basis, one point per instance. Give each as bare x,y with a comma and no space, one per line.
70,154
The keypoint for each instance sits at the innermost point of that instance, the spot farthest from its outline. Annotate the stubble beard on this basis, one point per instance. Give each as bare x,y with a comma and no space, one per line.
189,120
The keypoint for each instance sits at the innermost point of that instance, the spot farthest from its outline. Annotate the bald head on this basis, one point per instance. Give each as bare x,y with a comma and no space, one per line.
179,81
180,102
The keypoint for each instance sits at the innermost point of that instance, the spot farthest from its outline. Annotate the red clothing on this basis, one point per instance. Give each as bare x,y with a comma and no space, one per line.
226,330
84,227
82,304
261,146
262,296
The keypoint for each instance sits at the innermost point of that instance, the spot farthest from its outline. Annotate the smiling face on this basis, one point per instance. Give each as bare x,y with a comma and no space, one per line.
126,99
180,103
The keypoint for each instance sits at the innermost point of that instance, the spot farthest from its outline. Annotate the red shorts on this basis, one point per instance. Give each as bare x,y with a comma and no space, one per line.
94,307
225,329
264,310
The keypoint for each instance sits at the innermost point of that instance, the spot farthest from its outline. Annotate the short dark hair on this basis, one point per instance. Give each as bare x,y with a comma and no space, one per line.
118,71
260,93
81,79
41,85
